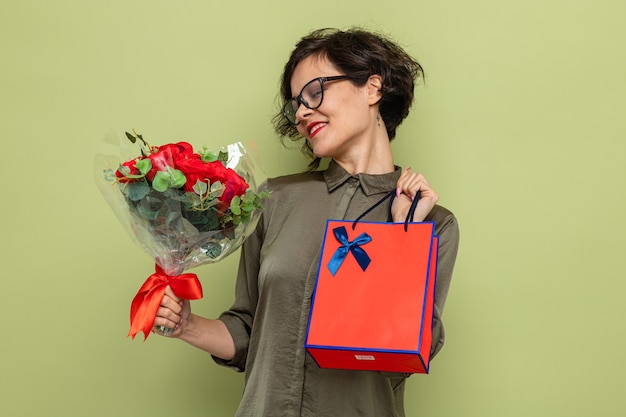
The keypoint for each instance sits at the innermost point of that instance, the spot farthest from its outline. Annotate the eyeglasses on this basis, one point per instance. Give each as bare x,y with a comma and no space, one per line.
311,96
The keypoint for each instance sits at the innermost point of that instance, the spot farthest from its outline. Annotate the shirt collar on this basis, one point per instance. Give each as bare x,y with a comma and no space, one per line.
336,176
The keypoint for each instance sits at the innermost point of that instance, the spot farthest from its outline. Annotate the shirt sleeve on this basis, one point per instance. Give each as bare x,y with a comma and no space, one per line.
448,230
239,318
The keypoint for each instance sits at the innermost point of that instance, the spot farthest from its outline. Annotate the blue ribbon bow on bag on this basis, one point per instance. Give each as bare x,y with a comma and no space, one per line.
346,246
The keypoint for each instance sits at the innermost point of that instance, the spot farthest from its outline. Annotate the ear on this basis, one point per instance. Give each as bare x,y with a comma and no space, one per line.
374,86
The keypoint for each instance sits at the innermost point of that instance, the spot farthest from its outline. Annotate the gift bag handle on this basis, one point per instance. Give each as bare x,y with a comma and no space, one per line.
392,195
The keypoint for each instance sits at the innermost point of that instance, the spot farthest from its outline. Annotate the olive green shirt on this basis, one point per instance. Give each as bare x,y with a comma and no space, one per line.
277,275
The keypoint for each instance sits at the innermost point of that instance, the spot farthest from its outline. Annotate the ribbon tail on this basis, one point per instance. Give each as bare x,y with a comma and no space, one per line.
361,257
337,259
143,311
146,302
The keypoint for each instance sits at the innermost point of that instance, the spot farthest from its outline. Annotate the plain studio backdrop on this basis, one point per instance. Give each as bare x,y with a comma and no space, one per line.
519,127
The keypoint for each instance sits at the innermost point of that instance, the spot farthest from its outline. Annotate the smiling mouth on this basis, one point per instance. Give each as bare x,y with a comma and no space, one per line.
314,128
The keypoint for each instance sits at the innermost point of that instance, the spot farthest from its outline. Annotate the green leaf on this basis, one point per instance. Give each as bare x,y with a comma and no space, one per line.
177,178
143,166
200,187
248,206
194,199
211,203
124,170
131,137
248,197
135,191
212,250
216,186
161,181
147,213
234,205
109,175
223,157
208,156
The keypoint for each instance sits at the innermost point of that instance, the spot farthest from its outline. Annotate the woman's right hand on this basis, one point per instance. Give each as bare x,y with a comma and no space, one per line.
173,313
210,335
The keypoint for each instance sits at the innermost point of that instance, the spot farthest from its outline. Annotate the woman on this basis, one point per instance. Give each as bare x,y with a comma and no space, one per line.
345,93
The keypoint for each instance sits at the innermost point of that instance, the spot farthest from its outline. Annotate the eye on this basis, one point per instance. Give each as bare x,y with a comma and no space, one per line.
313,94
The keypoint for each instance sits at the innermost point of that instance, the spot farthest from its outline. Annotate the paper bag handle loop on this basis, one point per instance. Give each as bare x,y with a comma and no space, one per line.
392,194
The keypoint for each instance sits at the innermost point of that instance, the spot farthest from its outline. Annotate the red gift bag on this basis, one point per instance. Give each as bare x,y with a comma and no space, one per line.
372,307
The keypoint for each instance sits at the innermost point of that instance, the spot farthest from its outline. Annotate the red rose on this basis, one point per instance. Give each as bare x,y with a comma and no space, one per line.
196,170
168,156
133,171
235,185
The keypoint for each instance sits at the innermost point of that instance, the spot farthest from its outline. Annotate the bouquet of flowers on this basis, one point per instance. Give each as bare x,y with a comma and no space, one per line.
184,208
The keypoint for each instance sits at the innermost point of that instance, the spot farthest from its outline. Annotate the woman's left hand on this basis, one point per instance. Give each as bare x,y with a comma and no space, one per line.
407,187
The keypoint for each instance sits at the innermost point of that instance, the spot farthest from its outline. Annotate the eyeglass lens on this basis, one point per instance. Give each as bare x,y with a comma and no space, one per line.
311,96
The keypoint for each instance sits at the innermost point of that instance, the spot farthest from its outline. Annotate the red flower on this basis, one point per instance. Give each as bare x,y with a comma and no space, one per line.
181,156
133,171
235,185
195,169
168,156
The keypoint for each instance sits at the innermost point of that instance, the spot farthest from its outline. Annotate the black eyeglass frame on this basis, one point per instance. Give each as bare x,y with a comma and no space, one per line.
299,99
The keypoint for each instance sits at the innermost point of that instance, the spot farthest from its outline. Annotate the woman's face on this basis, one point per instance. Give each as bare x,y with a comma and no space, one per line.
345,120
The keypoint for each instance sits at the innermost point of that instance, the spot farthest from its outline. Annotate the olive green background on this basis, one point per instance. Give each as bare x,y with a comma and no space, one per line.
520,128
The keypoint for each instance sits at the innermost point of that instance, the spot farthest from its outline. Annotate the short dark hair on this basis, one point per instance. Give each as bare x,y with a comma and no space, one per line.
358,54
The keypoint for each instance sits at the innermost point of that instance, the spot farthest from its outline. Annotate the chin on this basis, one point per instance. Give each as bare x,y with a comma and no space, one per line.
321,151
320,154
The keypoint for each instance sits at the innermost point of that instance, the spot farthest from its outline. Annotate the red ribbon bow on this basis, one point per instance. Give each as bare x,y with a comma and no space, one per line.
148,299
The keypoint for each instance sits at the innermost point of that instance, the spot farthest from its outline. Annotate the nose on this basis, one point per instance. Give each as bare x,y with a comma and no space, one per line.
302,112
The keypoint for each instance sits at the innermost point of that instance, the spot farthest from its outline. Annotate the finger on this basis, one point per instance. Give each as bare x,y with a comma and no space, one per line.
168,314
170,293
415,182
164,328
166,317
412,186
171,301
171,305
405,174
159,325
409,179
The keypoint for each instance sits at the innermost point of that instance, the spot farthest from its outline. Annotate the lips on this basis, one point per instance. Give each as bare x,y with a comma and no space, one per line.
314,127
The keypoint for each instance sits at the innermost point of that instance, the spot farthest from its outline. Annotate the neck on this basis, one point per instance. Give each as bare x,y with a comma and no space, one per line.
375,160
